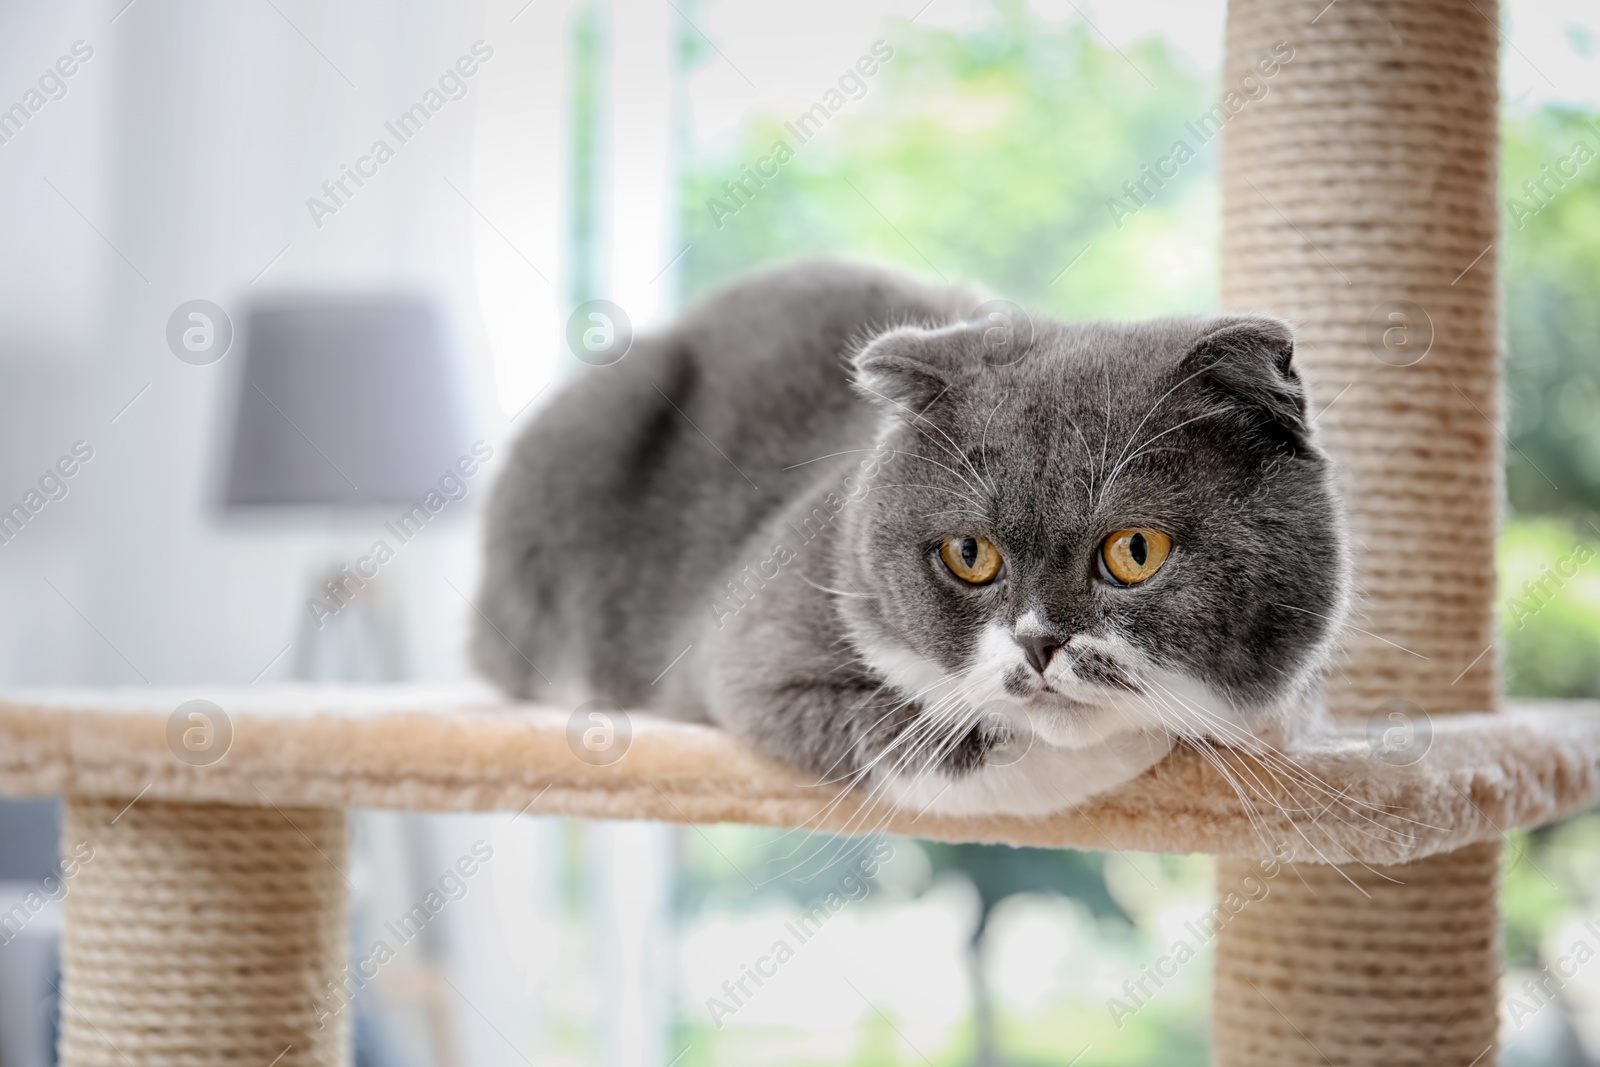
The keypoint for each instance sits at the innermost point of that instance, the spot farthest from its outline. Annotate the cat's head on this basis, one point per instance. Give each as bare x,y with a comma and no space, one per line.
1117,529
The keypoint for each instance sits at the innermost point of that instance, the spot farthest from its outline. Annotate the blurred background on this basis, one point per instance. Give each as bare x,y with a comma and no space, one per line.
197,199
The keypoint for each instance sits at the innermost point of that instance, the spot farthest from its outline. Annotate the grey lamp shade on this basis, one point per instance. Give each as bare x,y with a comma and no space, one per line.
345,402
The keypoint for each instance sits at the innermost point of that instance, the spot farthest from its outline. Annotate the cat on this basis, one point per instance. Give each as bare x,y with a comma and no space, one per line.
962,564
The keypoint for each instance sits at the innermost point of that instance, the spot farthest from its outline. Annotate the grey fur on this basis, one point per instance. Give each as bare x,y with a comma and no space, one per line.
656,504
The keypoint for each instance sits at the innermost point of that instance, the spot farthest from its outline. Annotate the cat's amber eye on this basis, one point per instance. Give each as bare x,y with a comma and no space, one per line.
1132,556
972,559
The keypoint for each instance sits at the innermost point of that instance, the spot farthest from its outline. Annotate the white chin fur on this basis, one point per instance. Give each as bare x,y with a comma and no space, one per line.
1047,779
1083,740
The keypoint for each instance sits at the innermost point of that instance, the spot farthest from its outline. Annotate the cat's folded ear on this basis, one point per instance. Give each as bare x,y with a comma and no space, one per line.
1247,361
903,368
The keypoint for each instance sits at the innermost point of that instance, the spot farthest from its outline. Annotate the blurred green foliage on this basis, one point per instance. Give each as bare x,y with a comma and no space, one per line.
997,873
1552,272
985,157
1550,607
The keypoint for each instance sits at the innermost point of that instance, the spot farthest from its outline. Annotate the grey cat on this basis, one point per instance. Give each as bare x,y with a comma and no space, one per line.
968,563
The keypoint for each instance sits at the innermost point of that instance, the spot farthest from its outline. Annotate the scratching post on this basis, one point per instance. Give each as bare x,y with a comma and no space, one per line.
1359,203
1362,965
202,935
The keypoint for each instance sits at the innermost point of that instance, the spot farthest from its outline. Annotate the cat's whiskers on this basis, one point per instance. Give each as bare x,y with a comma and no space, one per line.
953,450
951,739
983,442
928,736
1105,434
950,720
1188,735
950,709
1193,734
846,658
898,452
914,485
920,747
959,511
1272,761
857,775
837,592
931,717
830,455
1088,458
1347,624
902,748
1110,481
1339,805
908,739
919,733
949,724
1229,773
949,446
1153,407
1197,731
960,727
848,782
1240,738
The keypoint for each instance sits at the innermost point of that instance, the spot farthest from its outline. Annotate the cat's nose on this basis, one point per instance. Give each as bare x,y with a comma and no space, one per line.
1038,648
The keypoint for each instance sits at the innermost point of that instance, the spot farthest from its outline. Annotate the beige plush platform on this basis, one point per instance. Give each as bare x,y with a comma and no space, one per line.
462,750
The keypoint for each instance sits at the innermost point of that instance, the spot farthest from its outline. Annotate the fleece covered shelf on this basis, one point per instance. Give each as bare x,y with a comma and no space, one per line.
464,750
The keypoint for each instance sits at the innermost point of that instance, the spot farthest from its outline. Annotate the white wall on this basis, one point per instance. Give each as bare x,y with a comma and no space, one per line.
191,140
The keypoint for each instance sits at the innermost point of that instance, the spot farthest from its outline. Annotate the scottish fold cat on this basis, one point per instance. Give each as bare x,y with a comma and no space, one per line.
961,560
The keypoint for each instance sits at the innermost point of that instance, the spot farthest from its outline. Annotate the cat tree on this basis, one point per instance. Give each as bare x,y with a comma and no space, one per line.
212,912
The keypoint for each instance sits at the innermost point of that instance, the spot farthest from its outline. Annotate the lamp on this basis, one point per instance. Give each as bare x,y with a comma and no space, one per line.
347,405
345,402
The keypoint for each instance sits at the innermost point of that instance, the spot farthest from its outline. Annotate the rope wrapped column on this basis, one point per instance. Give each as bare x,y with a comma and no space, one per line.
1387,966
1359,202
202,935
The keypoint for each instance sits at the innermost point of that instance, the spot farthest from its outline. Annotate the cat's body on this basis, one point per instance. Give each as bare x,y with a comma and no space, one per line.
743,520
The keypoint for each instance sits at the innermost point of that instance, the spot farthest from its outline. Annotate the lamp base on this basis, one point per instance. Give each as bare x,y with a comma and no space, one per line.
350,632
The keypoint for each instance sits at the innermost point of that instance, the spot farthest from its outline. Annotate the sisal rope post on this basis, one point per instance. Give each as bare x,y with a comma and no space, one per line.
1355,965
202,935
1359,202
